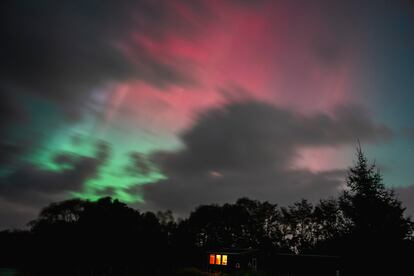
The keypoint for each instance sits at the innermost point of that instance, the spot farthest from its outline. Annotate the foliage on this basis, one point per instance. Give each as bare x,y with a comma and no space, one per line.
374,211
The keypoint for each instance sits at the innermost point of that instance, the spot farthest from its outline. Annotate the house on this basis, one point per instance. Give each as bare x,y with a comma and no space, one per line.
231,260
227,260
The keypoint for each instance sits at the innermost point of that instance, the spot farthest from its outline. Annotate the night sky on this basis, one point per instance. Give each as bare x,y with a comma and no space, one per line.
173,104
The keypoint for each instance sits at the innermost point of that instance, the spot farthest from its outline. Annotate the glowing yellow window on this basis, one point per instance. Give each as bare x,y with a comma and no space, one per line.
212,259
224,260
218,259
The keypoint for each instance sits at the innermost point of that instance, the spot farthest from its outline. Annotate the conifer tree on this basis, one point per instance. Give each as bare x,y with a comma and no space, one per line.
374,211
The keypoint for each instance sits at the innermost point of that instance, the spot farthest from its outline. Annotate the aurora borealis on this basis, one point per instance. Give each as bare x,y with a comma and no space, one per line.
172,104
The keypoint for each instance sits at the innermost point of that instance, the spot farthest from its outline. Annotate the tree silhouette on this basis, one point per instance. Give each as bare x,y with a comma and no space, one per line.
65,212
299,227
262,227
373,210
378,230
331,220
213,226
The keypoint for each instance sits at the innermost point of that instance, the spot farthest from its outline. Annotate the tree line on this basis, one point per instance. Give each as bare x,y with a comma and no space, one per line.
365,224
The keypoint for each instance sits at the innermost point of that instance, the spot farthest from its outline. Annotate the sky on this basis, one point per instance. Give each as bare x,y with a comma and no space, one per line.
174,104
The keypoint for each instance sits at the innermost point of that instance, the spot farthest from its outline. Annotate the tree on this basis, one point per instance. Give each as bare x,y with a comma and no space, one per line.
262,227
298,227
332,224
213,226
58,215
245,224
374,212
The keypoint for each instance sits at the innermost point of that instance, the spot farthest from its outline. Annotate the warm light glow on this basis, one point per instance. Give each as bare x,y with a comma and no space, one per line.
218,259
224,260
212,259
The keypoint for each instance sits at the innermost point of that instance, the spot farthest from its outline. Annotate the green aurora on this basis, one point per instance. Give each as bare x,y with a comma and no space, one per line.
118,174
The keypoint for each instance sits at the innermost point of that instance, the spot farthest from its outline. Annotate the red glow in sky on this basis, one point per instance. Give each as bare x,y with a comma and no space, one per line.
276,53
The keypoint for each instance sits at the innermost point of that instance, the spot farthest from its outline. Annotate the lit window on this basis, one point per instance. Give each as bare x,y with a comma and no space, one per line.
212,259
224,260
218,259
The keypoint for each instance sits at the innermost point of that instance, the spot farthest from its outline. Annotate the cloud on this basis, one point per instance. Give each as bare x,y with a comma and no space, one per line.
31,187
248,149
63,50
406,195
140,165
283,187
256,135
9,153
59,58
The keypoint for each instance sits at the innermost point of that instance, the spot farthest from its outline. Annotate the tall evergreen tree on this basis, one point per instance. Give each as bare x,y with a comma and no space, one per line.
374,212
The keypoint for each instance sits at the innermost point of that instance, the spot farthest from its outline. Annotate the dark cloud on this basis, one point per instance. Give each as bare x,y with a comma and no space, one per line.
140,165
10,109
182,194
31,187
247,149
15,215
258,135
11,112
406,195
9,152
61,50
